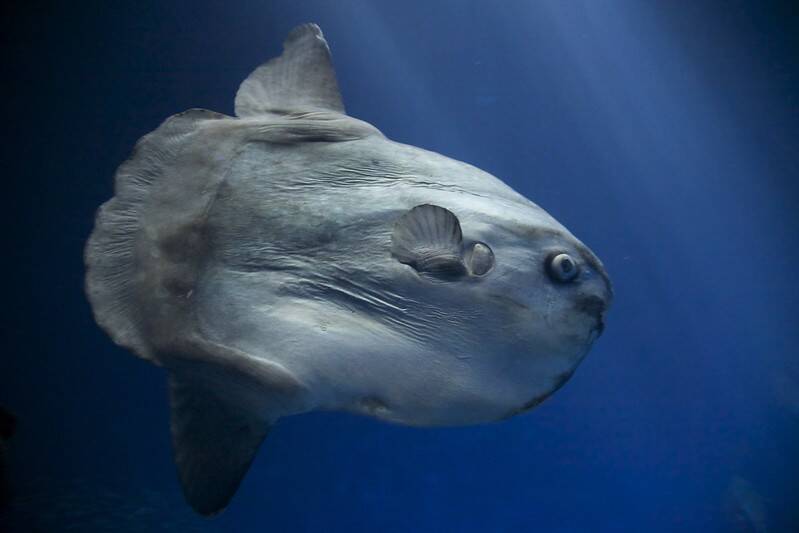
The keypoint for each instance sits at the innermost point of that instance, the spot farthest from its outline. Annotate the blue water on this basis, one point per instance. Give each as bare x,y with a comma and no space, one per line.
664,134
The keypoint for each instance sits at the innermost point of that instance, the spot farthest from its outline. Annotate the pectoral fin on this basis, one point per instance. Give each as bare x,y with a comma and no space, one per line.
429,239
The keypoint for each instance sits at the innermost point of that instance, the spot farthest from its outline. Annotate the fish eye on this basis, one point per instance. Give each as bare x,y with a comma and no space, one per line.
562,268
481,259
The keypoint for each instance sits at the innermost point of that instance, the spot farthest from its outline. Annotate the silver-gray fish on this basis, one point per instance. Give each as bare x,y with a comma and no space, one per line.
292,258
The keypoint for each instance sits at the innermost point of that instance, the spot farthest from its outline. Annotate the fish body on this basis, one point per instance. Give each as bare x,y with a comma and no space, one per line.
292,258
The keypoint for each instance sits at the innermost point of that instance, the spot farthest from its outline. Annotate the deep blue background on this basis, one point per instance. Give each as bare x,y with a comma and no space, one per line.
664,134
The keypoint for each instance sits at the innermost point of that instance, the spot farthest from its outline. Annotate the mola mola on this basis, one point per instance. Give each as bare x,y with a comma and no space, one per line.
292,258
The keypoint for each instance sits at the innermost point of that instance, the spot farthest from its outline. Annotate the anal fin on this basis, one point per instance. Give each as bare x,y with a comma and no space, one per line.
215,441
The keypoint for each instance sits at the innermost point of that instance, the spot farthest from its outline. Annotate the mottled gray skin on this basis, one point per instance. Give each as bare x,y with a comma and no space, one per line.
252,257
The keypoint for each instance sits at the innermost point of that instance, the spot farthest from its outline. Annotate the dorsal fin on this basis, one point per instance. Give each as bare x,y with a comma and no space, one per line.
301,79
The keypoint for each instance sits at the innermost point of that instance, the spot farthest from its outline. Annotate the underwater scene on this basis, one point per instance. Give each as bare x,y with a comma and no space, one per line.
381,266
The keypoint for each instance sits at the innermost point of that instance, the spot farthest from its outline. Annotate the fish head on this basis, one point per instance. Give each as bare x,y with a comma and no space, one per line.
512,303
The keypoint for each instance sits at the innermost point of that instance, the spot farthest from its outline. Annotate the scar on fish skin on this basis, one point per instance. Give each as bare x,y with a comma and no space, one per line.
372,404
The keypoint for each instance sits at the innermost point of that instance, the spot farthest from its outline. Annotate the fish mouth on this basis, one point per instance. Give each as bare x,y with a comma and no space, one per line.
600,326
595,307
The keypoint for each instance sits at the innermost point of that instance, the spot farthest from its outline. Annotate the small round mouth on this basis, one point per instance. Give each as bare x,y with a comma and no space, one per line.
600,327
595,307
592,305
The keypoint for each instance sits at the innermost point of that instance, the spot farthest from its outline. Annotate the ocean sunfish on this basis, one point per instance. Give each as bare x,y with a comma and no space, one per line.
292,258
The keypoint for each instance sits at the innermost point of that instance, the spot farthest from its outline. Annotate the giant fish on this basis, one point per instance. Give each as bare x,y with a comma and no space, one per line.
292,258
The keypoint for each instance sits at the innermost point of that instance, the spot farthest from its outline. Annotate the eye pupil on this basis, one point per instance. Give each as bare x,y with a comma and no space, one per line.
562,268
